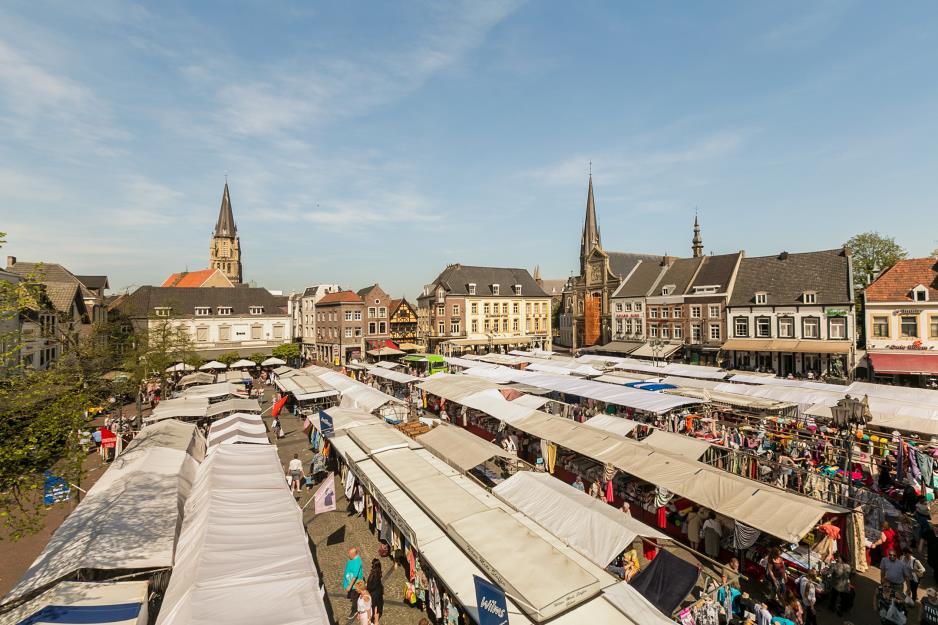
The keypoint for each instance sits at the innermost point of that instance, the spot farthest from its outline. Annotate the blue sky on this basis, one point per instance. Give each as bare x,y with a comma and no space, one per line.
378,142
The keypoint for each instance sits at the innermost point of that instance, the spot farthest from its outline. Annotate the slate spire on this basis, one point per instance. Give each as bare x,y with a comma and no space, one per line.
590,237
697,242
225,227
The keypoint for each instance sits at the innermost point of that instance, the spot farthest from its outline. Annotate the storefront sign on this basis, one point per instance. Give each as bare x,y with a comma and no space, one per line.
835,313
906,311
493,607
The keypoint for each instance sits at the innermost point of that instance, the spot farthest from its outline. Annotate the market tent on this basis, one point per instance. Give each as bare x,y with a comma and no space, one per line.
115,603
493,403
238,417
529,568
629,601
683,382
199,377
461,362
567,433
388,364
211,391
213,364
771,380
127,521
648,401
354,393
346,418
530,401
243,363
385,351
592,527
180,408
230,406
394,376
304,386
609,423
273,361
900,393
255,430
374,440
686,446
179,366
460,448
576,369
170,434
243,552
664,351
455,387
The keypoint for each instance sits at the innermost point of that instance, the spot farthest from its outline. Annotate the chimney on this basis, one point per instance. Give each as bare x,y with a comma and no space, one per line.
783,256
11,260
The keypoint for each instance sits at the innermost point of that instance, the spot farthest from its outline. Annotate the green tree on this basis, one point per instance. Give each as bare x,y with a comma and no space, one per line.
157,347
934,253
228,357
872,251
287,351
43,412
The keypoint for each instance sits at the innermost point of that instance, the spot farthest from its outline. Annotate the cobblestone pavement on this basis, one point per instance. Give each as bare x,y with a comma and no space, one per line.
333,533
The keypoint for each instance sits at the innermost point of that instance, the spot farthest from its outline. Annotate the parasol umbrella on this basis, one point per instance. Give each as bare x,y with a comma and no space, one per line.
214,364
273,361
243,364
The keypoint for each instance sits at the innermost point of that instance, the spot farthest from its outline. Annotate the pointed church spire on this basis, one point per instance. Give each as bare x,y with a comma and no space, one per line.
697,242
590,237
225,227
537,272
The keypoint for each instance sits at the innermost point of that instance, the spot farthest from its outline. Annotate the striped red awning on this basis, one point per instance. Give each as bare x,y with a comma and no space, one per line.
908,363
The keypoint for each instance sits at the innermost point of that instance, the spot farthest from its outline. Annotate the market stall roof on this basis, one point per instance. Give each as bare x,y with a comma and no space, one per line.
618,347
901,393
238,417
171,435
771,380
127,521
394,376
239,404
732,399
196,378
115,603
410,347
347,449
664,351
592,527
354,393
374,440
493,403
213,364
273,361
520,559
455,387
648,401
304,386
243,363
563,369
240,427
610,423
460,448
243,552
461,362
385,351
284,370
388,364
678,444
682,382
211,391
179,366
180,408
346,418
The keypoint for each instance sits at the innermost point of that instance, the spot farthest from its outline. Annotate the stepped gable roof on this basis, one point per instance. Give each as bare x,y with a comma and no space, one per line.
787,276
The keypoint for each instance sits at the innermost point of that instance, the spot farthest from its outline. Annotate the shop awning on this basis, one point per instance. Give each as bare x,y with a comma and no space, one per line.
460,448
663,351
592,527
686,446
909,363
787,345
385,351
410,347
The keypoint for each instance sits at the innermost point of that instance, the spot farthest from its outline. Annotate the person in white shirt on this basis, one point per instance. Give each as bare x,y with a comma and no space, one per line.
807,592
295,470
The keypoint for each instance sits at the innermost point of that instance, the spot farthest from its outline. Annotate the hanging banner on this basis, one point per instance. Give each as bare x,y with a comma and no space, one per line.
108,438
325,424
54,489
325,496
493,608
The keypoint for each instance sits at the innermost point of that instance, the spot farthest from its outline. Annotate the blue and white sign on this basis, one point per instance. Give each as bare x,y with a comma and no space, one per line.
55,489
493,608
325,424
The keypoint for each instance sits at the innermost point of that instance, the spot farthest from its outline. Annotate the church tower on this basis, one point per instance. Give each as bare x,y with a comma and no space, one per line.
590,238
697,242
225,252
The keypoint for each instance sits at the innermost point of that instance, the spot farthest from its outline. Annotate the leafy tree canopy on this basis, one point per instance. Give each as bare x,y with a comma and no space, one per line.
287,351
872,251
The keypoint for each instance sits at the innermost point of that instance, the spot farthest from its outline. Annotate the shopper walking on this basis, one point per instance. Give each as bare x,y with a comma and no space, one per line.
352,575
363,605
295,471
375,586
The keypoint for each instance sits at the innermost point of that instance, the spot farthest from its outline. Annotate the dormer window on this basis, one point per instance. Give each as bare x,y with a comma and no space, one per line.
667,290
494,289
162,311
224,310
920,293
698,290
517,289
256,310
762,297
809,297
202,311
472,288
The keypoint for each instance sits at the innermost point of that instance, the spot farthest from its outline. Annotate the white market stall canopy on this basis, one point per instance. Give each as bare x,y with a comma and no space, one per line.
128,520
238,428
199,377
243,363
561,369
687,371
592,527
304,386
394,376
465,363
460,448
232,405
243,553
213,364
354,393
114,603
273,361
455,387
181,407
179,366
610,423
345,419
648,401
211,391
678,444
493,403
385,351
